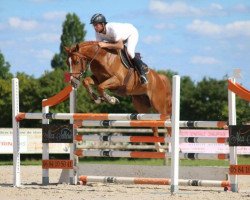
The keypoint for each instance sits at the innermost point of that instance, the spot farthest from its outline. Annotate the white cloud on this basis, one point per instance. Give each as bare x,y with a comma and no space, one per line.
18,23
54,15
175,8
43,54
238,28
204,60
181,8
162,26
206,28
44,37
152,39
216,6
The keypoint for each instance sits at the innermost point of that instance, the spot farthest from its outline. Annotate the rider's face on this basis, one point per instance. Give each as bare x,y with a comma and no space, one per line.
99,27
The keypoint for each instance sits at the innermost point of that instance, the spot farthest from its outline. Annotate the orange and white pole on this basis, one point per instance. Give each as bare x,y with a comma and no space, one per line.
83,180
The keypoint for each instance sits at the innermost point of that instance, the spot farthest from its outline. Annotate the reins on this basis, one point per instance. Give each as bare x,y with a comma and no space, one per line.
82,73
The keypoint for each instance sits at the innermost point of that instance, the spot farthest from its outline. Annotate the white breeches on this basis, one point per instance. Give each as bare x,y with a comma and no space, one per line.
132,42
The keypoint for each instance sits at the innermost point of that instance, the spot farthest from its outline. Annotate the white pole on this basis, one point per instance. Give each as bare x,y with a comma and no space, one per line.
45,154
16,134
73,173
175,134
233,150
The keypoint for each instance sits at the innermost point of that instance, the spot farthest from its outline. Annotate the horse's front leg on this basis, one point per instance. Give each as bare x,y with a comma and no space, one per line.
87,83
111,83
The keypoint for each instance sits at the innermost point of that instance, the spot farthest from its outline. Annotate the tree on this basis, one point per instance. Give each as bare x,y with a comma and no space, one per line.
187,98
72,32
209,100
5,103
4,68
29,98
52,83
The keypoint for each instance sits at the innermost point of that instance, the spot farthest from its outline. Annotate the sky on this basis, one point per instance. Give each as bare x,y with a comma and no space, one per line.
196,38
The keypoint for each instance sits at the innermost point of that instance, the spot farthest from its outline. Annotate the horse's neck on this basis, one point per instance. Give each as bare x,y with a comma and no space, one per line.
93,52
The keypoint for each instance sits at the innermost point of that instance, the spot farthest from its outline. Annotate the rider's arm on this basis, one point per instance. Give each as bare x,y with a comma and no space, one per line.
116,45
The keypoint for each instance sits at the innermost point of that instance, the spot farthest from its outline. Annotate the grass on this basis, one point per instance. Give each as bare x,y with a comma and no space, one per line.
153,162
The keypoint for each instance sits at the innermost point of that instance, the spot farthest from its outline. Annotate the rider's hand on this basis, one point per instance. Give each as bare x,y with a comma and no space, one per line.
102,44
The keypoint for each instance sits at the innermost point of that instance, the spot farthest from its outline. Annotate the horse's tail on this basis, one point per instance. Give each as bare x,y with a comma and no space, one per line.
168,90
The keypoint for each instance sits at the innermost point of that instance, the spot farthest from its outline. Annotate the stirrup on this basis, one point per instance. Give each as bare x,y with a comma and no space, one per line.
143,80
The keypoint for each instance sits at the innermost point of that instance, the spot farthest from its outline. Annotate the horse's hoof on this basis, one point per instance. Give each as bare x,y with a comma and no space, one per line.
113,100
98,100
159,148
117,101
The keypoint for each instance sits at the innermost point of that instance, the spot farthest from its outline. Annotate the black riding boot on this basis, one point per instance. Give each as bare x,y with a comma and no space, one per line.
139,67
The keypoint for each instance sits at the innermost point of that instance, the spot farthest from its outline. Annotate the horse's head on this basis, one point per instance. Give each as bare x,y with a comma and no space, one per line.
78,64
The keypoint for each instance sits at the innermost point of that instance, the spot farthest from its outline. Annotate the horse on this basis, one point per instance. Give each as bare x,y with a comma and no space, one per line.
109,73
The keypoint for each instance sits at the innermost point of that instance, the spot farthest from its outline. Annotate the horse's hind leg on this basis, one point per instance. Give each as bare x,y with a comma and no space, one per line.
161,101
142,105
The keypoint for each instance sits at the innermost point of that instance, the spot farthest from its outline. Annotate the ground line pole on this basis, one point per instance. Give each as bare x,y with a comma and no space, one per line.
175,134
16,134
232,150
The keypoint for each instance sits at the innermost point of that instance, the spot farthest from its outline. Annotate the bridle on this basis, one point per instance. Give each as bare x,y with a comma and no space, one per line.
83,71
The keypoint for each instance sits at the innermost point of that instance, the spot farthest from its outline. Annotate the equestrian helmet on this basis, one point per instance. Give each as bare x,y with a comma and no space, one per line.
98,18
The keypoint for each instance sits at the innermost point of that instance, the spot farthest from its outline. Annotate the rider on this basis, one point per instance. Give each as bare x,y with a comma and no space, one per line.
116,34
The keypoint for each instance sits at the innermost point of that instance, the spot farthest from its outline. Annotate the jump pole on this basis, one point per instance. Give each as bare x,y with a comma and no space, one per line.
45,149
175,134
16,134
73,173
232,150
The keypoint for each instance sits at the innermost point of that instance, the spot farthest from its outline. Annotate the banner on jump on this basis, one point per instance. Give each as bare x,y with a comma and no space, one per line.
239,170
239,135
57,164
57,133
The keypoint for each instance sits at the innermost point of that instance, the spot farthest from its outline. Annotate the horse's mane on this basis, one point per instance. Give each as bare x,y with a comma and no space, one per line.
87,43
81,44
76,47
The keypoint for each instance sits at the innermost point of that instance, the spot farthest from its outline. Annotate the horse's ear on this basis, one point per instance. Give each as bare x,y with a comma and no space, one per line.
67,49
77,47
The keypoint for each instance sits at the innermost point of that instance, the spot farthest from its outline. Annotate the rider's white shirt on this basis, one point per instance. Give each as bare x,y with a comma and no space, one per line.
120,31
116,31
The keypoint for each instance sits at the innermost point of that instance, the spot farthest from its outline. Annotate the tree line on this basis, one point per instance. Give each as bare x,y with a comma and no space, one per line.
203,100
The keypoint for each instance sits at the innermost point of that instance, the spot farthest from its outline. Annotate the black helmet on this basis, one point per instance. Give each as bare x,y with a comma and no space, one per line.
98,18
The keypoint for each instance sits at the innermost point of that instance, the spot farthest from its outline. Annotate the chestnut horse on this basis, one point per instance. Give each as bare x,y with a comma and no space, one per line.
109,73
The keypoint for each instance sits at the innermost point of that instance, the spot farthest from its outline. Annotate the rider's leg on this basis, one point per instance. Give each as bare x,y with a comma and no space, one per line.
131,44
139,66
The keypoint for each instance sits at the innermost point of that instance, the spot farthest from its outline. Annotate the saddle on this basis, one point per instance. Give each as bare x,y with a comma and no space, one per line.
127,61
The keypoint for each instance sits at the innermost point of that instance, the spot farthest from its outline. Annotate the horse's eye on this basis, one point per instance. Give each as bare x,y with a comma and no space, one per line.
77,62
